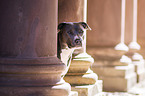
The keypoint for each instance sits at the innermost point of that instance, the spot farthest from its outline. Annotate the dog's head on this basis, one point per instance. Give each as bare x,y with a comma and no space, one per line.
72,33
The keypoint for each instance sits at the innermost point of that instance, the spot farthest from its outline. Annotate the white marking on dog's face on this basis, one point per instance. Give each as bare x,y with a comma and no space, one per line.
76,37
71,23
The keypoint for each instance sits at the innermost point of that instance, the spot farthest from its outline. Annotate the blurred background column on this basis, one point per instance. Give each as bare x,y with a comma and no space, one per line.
134,47
28,48
108,18
121,45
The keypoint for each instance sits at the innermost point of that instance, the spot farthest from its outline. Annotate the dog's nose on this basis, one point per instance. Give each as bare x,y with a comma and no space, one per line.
78,41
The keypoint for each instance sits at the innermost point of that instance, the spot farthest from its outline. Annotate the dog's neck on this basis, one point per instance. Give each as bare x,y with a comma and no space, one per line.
58,45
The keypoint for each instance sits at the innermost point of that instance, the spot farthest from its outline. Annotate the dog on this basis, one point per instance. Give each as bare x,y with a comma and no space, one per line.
70,35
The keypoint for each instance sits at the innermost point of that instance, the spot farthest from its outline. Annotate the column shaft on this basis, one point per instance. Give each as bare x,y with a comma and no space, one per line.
28,39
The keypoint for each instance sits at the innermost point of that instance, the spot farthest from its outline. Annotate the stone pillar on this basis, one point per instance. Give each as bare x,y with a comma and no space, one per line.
111,65
79,75
28,47
134,47
121,45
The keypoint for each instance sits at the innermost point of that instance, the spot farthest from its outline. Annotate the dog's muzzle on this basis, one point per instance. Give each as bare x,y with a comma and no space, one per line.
77,43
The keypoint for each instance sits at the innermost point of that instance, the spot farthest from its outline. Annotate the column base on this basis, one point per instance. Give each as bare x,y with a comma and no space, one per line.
61,89
89,90
117,78
32,77
139,64
82,78
114,68
79,72
73,93
119,84
141,76
140,70
78,79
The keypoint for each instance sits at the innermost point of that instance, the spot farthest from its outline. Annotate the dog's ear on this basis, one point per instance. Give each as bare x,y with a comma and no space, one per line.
85,25
60,26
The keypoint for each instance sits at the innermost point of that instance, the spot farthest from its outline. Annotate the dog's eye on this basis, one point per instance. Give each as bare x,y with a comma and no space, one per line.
81,31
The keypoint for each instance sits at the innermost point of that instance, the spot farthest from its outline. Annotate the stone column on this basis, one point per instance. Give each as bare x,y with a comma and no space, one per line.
121,45
79,73
111,65
134,47
28,47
